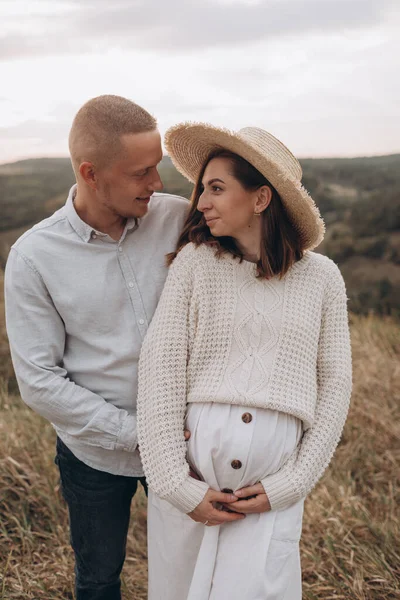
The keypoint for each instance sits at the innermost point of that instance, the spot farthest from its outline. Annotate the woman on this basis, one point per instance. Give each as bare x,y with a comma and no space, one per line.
249,349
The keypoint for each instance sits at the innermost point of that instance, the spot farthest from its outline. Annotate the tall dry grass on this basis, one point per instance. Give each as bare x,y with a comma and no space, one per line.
350,544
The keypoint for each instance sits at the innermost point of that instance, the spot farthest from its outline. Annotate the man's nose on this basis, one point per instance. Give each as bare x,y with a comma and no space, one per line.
157,184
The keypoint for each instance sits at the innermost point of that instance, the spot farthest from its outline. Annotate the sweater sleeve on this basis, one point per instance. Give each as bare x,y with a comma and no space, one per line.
334,378
162,394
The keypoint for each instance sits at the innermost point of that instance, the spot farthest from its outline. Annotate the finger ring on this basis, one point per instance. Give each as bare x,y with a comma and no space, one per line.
206,523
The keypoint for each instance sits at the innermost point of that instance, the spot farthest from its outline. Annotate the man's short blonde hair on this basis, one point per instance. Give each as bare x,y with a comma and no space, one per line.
97,128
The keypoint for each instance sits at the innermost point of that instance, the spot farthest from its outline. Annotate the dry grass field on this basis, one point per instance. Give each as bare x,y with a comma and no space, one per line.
351,539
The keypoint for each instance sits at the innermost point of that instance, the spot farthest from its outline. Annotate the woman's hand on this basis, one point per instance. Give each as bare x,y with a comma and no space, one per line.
252,499
207,514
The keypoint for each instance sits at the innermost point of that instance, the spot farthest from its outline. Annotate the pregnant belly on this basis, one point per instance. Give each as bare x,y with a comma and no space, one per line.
233,446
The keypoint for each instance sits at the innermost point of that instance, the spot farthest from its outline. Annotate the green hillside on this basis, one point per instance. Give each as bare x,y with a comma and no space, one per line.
359,199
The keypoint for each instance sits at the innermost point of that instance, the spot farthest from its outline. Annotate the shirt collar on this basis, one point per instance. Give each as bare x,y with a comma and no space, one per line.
83,229
80,227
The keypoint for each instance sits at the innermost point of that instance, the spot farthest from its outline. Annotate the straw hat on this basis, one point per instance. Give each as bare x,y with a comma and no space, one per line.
189,145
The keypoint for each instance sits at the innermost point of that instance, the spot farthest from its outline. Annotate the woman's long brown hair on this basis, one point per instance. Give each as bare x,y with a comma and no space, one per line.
280,242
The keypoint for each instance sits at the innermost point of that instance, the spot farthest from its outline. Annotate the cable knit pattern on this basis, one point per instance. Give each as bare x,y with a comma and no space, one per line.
221,335
255,333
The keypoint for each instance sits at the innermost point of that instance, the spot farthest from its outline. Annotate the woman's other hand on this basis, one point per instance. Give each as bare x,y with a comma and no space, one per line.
252,499
207,514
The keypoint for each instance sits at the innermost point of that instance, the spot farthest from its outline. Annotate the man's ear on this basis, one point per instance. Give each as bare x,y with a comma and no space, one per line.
264,197
87,171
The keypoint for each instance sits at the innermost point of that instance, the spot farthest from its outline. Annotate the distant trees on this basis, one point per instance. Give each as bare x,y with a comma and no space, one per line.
25,190
359,199
379,212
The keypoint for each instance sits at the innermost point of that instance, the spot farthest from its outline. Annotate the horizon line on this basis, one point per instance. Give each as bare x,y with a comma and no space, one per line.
325,157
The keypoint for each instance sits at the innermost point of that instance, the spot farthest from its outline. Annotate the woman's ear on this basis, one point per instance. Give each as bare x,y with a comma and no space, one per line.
264,197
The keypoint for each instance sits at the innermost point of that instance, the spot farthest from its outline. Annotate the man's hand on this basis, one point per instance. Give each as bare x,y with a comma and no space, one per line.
207,514
252,499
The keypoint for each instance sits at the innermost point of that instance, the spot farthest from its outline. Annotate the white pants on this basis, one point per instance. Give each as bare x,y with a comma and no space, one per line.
256,558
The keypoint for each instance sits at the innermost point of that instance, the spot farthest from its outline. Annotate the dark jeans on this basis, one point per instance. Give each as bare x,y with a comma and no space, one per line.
99,509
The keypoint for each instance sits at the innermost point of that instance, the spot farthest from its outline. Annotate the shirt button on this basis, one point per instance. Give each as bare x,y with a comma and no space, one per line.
141,321
120,249
236,464
94,236
130,284
247,417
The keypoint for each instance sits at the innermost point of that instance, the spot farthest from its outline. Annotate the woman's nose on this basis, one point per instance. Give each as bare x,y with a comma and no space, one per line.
203,203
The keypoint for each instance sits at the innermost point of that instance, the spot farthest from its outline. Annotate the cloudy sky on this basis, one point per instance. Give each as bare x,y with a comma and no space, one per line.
322,75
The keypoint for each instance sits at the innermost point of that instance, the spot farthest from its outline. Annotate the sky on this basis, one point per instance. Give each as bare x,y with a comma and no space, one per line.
321,75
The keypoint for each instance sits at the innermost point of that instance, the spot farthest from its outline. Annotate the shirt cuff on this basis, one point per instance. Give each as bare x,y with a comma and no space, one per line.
279,491
127,438
189,495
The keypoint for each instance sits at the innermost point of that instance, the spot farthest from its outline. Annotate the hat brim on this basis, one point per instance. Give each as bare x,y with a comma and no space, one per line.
190,144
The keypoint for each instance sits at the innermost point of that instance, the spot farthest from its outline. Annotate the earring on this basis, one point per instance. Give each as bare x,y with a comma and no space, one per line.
256,214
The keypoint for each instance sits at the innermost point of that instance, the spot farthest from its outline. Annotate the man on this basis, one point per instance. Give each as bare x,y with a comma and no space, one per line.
81,289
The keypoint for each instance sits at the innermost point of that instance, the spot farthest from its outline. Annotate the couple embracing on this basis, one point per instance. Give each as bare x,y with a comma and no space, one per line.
199,349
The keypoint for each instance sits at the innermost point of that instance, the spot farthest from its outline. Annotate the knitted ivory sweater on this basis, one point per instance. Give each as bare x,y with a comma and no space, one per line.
192,354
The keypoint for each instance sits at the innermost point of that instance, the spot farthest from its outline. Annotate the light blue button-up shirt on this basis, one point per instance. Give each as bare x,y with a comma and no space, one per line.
78,305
